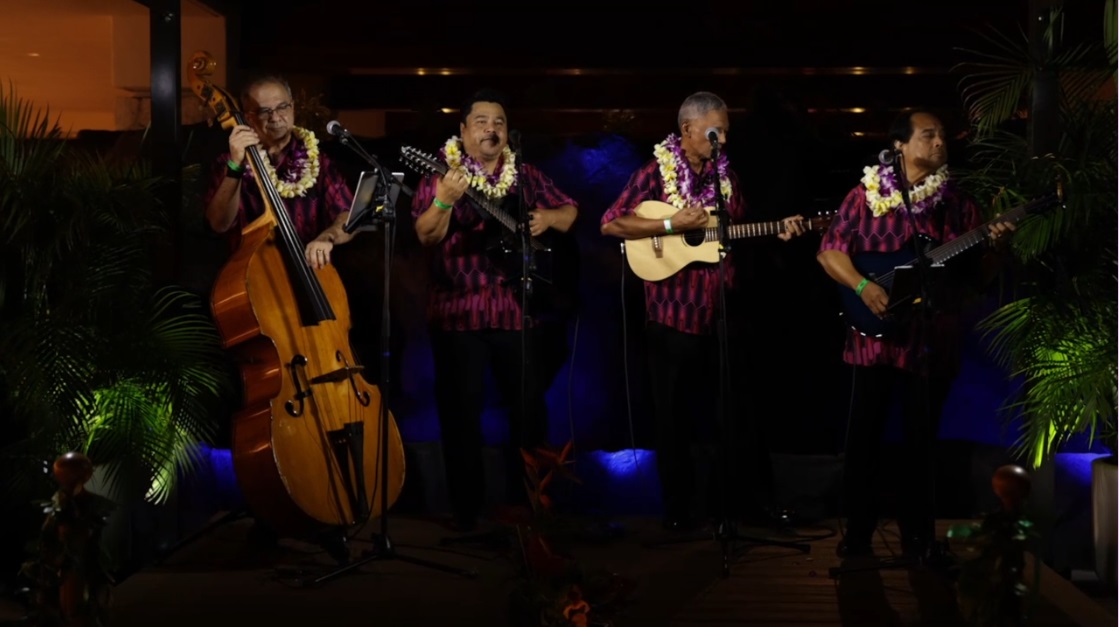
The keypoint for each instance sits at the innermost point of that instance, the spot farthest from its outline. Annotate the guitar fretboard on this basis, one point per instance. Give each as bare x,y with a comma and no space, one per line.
755,229
976,236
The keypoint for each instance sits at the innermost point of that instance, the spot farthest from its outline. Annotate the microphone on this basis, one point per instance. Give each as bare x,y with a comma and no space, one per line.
887,156
515,140
335,128
712,134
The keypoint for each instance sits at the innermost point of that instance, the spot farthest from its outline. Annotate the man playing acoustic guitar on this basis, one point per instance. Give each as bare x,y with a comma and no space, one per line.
872,221
681,309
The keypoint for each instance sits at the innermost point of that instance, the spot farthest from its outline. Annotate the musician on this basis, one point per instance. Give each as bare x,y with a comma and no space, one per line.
474,317
314,191
313,188
681,310
871,220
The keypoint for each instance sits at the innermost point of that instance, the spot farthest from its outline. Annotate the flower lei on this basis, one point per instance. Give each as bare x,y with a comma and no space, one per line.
494,185
300,171
883,194
677,175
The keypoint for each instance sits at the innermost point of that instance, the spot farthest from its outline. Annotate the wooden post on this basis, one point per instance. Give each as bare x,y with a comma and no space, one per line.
1044,124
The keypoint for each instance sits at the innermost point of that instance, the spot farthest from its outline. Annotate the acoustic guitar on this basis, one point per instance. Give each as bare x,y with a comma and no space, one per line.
883,269
661,256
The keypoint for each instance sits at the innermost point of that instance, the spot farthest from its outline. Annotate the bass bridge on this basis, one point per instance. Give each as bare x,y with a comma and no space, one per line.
347,371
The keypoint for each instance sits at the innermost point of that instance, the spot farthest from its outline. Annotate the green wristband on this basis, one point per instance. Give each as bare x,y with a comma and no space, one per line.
668,225
441,205
233,165
859,289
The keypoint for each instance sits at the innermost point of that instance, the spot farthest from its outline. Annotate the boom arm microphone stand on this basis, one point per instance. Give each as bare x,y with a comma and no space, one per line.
385,220
922,305
726,531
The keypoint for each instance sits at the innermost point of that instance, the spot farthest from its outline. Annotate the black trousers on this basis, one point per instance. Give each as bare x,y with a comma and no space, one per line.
684,375
461,361
873,395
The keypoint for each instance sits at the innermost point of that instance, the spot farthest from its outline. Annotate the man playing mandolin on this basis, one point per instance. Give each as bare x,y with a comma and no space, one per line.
681,309
475,317
314,190
872,221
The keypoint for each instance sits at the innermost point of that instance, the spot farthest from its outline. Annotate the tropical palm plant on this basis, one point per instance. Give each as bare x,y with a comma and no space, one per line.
1057,330
95,354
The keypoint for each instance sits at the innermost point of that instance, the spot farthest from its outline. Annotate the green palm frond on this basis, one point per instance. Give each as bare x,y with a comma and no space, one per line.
94,357
1057,334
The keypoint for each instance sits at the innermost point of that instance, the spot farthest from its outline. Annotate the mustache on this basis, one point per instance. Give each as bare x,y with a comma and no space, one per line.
493,138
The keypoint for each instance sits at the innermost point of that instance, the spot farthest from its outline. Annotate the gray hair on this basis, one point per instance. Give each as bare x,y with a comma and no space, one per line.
263,78
698,105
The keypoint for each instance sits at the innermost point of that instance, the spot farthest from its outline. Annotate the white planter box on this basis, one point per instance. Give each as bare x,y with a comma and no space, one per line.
1105,525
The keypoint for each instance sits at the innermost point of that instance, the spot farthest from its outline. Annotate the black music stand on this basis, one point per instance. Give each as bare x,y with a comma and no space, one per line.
726,530
374,208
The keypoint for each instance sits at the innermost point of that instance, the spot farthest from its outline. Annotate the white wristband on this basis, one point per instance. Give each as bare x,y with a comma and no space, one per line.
668,225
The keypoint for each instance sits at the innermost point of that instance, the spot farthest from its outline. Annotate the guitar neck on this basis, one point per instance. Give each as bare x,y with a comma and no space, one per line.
978,235
753,229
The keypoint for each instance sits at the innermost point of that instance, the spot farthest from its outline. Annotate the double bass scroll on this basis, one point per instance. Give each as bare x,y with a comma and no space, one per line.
307,438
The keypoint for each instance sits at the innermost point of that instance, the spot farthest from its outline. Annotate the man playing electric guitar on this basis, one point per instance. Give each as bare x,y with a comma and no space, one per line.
474,315
873,219
681,308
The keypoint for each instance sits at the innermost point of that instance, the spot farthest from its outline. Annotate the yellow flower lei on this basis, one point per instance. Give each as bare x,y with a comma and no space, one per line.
671,164
310,167
479,179
880,206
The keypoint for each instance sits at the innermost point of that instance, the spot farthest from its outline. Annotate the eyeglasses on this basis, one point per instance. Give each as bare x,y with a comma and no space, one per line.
266,113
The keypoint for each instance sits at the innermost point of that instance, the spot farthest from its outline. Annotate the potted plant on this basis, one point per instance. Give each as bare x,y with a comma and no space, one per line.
96,354
1056,329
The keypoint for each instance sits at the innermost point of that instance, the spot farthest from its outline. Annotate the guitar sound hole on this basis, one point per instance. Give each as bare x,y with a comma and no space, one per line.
694,238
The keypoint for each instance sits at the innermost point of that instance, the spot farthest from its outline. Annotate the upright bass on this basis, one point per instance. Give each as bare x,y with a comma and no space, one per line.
307,441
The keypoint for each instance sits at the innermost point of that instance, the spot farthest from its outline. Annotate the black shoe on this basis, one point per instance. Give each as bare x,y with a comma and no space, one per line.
849,547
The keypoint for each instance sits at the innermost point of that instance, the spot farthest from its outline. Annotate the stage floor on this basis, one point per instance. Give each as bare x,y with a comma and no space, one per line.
219,580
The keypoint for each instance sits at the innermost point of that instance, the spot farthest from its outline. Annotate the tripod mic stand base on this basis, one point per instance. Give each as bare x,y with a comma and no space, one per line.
726,534
383,550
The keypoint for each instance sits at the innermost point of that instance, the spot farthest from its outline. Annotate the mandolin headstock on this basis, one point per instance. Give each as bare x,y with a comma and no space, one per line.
421,162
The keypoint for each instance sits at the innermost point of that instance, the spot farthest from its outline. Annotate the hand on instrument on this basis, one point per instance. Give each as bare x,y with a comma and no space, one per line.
794,226
539,221
689,219
318,253
1000,232
240,138
875,298
451,186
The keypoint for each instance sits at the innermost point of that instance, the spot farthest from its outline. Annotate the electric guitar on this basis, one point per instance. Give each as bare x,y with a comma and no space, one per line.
882,268
553,275
661,256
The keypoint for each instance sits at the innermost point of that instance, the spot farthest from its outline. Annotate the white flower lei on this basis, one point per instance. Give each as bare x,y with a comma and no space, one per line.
677,173
883,194
494,185
309,165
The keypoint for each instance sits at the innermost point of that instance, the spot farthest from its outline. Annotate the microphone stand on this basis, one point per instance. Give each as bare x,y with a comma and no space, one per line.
924,309
369,219
726,530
